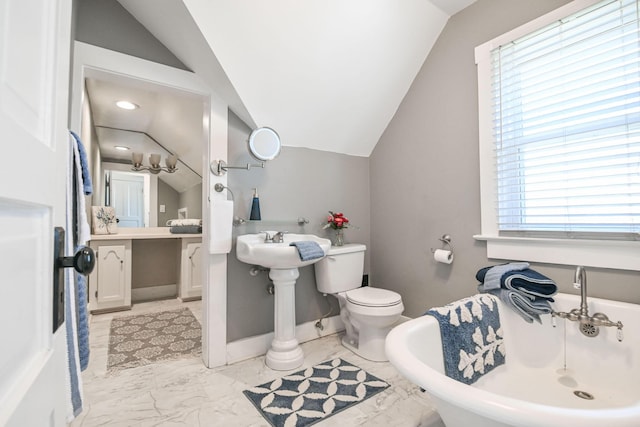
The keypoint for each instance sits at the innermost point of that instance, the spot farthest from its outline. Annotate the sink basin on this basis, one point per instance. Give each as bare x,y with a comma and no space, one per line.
252,249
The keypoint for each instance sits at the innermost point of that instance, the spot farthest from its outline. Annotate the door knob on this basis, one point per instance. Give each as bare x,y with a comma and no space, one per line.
83,261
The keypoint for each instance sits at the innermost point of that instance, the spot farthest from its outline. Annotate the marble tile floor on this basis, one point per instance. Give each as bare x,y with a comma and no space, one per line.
186,393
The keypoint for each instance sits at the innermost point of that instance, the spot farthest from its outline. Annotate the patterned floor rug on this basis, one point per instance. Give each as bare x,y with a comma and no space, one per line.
147,338
313,394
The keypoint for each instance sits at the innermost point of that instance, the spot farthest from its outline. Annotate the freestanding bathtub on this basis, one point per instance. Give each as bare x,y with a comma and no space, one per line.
551,376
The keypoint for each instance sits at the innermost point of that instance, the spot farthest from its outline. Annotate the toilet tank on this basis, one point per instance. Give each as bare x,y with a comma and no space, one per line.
341,270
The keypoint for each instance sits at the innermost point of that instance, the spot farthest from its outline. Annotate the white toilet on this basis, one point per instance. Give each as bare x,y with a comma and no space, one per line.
368,313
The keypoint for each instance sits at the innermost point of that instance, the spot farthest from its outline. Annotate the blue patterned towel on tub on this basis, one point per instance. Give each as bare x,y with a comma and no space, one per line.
472,339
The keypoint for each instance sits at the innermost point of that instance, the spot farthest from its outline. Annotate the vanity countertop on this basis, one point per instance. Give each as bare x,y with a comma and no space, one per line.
143,233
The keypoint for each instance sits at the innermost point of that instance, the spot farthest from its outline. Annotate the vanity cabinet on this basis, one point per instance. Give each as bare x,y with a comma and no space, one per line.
191,270
110,280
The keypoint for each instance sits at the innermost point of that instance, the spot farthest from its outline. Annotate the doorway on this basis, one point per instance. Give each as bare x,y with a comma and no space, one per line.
94,62
126,195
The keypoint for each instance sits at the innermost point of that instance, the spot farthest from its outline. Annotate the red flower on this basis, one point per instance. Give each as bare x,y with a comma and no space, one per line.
336,220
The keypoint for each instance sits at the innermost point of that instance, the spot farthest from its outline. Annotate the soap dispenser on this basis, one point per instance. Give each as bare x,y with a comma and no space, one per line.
255,206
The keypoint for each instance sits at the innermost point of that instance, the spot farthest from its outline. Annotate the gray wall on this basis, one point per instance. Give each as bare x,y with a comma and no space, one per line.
192,200
299,183
170,198
107,24
155,262
424,173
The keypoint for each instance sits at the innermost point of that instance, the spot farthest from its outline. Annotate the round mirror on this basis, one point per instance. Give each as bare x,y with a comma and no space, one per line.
264,143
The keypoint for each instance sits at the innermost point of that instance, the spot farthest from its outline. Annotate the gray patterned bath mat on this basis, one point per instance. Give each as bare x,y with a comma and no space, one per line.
313,394
147,338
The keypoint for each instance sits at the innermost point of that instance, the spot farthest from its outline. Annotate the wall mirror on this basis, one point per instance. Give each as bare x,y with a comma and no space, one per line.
264,143
165,121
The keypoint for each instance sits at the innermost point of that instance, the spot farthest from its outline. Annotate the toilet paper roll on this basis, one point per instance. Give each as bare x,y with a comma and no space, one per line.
443,256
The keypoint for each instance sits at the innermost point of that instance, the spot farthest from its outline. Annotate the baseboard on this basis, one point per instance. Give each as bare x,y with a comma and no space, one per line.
151,293
251,347
404,319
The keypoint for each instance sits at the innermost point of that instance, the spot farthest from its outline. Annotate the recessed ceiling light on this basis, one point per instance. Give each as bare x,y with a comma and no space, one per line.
126,105
121,148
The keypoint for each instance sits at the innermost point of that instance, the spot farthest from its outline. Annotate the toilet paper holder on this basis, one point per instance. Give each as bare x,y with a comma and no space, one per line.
446,240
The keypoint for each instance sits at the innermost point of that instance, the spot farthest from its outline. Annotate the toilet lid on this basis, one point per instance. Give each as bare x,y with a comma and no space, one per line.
373,297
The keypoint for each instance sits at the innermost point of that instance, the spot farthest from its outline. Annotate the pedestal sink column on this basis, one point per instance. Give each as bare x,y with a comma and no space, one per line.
285,353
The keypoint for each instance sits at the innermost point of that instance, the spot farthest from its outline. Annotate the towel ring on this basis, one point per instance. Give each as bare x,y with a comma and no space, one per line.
219,187
446,240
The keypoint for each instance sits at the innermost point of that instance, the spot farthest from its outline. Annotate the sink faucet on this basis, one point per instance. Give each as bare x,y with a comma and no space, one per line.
279,236
589,325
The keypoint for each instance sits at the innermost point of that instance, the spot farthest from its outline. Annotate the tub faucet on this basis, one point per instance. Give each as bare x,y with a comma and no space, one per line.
580,279
589,325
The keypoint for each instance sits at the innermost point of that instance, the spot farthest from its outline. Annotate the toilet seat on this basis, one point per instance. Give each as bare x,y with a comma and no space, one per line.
368,296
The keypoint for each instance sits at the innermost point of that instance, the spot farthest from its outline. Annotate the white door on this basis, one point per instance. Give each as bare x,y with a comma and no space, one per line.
127,198
34,82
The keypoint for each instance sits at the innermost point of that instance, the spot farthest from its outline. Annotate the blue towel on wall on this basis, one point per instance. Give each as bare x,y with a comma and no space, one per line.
528,307
86,173
74,378
76,316
83,321
308,250
472,339
527,281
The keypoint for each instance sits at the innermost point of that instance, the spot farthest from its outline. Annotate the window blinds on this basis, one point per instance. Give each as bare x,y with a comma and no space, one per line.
566,124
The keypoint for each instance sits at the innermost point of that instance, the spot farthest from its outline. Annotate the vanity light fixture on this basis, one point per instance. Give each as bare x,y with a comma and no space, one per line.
127,105
154,161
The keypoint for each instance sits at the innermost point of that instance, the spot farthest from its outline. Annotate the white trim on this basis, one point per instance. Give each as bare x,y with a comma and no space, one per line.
214,289
258,345
483,50
149,293
624,255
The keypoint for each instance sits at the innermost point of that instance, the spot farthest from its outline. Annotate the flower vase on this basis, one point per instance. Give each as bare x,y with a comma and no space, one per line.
339,237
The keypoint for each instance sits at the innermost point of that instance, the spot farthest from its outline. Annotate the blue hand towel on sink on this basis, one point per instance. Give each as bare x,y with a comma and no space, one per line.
308,250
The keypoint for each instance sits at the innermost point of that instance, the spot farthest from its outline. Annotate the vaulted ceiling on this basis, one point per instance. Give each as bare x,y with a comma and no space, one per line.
326,75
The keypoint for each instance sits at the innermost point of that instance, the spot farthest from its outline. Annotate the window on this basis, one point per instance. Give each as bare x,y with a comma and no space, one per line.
560,136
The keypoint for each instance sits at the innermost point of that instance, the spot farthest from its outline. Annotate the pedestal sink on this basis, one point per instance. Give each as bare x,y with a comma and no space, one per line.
283,261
